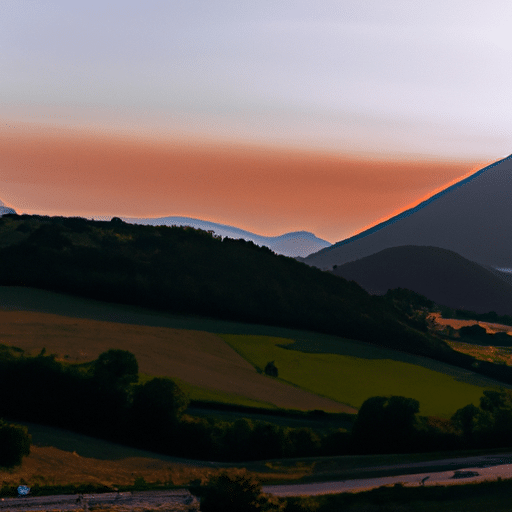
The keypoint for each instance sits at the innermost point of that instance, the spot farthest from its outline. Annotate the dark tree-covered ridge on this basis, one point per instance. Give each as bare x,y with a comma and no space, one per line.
188,271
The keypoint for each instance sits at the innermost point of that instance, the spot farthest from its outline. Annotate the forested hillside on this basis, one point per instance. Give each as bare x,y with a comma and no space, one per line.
188,271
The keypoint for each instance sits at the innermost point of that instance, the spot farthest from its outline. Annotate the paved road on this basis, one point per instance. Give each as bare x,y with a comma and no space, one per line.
488,467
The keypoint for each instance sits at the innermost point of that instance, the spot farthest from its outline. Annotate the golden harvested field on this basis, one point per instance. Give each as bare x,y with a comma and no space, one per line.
491,328
199,358
483,352
50,466
60,457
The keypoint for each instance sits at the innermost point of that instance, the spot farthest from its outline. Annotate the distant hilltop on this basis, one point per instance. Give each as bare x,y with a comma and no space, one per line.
297,244
4,210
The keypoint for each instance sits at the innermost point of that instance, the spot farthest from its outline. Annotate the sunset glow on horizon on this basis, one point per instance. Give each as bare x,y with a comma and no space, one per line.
270,117
264,190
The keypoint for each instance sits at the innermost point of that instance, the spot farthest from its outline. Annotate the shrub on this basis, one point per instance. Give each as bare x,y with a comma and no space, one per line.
116,368
232,490
14,444
156,410
386,424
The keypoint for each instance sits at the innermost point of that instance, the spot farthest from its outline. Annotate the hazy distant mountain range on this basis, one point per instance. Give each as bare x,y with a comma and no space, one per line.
299,243
5,209
296,244
472,218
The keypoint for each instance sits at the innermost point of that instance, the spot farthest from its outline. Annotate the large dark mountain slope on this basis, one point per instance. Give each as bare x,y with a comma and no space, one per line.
472,218
440,275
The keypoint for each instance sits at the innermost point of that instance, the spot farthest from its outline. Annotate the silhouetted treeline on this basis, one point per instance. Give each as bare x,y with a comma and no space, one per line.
463,314
184,270
189,271
409,301
478,335
102,399
415,306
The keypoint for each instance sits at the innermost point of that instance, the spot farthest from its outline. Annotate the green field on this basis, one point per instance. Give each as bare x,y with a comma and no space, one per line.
316,371
350,379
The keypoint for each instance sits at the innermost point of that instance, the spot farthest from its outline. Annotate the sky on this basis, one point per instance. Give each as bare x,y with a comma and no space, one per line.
323,116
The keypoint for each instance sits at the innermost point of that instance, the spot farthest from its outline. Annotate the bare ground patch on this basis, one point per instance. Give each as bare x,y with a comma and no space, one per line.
62,457
47,465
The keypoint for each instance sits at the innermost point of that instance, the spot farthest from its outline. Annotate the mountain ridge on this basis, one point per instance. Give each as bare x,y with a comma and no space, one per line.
293,244
5,210
462,218
416,208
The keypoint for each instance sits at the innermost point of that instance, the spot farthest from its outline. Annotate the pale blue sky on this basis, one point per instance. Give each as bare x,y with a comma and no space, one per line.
428,78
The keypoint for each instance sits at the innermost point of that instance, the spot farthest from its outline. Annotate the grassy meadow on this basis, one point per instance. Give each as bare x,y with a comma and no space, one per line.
327,370
202,362
316,371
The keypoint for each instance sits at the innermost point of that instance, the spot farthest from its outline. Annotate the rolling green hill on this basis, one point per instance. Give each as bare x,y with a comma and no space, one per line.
188,271
329,368
203,364
184,271
220,361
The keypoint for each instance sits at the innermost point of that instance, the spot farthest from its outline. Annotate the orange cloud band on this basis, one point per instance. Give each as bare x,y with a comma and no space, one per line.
265,190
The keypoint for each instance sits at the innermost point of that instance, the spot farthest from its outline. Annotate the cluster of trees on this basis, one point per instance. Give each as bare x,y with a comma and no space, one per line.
463,314
237,490
105,400
392,425
488,425
477,334
100,398
244,439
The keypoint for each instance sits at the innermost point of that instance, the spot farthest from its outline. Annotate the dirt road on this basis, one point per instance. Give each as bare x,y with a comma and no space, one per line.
176,500
486,467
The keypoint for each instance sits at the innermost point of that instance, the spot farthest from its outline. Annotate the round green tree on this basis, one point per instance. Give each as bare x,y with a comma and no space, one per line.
156,410
116,369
